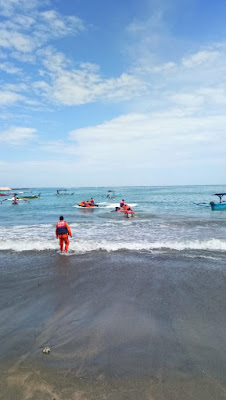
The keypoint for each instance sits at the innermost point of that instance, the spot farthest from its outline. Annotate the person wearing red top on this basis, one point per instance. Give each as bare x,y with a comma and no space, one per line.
62,232
122,203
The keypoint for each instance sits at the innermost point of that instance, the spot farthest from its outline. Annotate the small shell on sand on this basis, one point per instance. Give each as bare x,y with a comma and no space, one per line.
46,350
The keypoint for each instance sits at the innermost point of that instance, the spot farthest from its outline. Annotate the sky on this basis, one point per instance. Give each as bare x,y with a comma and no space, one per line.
112,92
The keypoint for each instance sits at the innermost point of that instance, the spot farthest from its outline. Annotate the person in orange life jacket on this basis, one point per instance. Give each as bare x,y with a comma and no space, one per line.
127,209
15,199
62,232
122,203
91,202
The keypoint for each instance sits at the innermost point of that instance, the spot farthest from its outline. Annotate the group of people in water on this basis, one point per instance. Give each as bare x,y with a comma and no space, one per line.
88,203
63,229
125,208
14,199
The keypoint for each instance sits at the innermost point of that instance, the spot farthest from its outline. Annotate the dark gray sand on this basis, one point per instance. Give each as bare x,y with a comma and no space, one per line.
121,326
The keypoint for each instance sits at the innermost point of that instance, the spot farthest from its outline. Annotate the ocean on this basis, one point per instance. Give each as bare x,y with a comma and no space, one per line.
166,220
136,311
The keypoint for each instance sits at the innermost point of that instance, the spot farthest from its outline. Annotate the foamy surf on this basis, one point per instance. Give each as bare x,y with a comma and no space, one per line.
83,246
106,205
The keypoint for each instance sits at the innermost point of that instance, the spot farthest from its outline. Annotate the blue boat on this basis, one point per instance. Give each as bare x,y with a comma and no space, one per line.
218,206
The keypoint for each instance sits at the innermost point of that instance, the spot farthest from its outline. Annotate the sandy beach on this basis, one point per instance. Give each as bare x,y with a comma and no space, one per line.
123,325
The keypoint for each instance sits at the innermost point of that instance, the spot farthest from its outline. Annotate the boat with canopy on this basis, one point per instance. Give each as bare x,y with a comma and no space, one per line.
5,191
218,206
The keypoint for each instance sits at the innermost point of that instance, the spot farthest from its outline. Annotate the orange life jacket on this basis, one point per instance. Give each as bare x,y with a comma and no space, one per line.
61,228
83,204
129,212
86,204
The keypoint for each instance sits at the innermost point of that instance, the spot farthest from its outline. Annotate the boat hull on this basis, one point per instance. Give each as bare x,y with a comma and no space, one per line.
29,197
218,206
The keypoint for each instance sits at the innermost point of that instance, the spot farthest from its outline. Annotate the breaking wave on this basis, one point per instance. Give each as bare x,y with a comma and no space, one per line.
83,246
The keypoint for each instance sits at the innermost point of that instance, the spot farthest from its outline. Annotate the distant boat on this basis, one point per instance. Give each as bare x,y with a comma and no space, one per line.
202,204
4,189
63,192
33,196
218,206
111,194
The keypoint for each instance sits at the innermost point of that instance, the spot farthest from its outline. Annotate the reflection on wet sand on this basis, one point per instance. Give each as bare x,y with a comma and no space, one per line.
120,326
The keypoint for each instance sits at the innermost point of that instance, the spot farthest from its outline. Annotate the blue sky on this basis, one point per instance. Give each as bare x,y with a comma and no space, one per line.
109,93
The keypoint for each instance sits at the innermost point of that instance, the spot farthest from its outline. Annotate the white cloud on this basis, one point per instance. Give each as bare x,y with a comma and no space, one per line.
199,58
25,28
77,87
16,41
200,98
12,94
146,141
9,68
17,135
82,85
9,7
8,98
61,25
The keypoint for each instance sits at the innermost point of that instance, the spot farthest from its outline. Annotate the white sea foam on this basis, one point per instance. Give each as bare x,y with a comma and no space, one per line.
113,205
85,246
107,205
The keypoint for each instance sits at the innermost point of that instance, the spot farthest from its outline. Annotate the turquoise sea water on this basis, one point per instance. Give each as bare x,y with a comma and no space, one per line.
136,312
166,219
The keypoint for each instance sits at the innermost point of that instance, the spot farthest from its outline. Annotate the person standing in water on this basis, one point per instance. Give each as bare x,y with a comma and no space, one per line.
62,232
14,199
122,203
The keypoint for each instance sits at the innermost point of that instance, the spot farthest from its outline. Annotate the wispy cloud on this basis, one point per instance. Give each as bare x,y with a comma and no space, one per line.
168,139
9,68
17,135
84,84
25,33
200,58
10,7
173,90
9,97
59,26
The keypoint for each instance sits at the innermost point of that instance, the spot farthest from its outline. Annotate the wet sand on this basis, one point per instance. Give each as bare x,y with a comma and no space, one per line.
120,325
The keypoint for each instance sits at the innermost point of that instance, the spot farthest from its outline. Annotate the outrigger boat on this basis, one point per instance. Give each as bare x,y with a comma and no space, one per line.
35,196
63,192
218,206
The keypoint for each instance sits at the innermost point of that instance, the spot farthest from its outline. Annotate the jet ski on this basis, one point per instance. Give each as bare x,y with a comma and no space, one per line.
87,204
128,211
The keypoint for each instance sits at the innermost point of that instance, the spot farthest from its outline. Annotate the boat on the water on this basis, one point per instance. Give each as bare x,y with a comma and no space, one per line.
218,206
86,204
63,192
5,191
128,212
110,194
34,196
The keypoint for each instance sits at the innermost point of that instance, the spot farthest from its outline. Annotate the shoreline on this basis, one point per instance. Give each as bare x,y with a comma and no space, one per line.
123,325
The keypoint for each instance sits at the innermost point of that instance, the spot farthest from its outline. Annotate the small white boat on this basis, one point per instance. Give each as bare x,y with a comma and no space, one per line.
63,192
